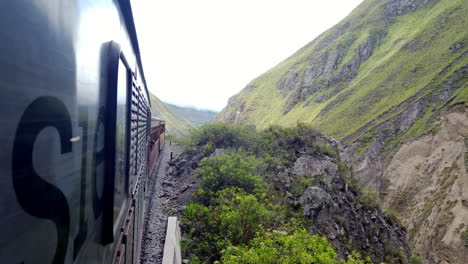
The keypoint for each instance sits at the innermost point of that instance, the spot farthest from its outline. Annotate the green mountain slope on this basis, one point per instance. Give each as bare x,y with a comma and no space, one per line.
378,57
176,125
197,117
390,82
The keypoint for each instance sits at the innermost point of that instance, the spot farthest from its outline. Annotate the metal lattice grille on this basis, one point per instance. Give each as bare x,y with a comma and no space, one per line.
138,134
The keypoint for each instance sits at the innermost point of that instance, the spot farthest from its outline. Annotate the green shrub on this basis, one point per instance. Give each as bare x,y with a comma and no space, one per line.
415,259
197,222
232,218
287,143
392,215
325,148
229,170
240,215
357,258
367,138
298,247
281,247
300,184
208,148
370,199
195,211
223,135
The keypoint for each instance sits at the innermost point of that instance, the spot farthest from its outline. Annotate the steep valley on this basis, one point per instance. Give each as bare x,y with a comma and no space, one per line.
389,82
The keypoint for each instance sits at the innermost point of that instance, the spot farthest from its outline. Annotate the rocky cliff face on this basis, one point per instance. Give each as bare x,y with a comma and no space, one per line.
345,217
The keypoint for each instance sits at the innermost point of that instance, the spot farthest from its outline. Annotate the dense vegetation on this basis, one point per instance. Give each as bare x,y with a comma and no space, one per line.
240,214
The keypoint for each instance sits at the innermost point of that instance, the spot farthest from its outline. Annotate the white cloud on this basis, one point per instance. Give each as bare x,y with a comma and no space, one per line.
199,53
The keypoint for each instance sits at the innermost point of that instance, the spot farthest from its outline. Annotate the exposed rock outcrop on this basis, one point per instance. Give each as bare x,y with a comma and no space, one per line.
347,220
313,166
401,7
314,198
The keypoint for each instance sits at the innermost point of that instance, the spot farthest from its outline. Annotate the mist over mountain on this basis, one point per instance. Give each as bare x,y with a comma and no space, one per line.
197,116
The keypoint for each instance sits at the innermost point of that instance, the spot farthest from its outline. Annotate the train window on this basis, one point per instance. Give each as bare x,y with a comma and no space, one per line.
115,202
121,147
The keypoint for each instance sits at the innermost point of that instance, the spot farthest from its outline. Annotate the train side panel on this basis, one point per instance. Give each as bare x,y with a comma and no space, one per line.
54,114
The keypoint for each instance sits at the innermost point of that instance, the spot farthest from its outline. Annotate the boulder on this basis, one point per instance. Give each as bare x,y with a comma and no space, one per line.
314,198
218,152
313,166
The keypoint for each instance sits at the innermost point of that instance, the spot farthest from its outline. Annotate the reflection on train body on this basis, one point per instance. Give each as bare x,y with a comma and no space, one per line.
75,118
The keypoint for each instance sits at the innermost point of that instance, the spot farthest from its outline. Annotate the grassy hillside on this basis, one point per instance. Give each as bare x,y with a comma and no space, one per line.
197,117
387,74
380,56
176,125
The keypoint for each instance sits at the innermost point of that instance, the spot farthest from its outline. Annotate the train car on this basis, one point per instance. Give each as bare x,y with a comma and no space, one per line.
158,127
75,118
157,139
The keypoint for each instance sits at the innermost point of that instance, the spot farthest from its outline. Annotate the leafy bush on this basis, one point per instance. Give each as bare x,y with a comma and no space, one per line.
208,148
232,218
367,138
223,135
392,215
300,184
287,143
415,259
240,215
194,212
229,170
280,247
357,258
325,148
370,199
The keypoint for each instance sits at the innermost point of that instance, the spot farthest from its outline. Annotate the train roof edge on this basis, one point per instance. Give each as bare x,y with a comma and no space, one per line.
126,9
155,118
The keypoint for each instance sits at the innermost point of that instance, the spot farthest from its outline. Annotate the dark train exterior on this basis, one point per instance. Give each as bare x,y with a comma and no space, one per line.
75,131
157,139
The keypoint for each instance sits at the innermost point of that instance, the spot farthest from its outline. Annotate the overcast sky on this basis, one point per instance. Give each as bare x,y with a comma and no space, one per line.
201,52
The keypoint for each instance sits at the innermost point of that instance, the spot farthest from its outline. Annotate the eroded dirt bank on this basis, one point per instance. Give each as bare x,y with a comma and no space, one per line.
428,185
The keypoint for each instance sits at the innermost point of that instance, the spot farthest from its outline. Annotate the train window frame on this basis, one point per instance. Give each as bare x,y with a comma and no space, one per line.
111,224
118,220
